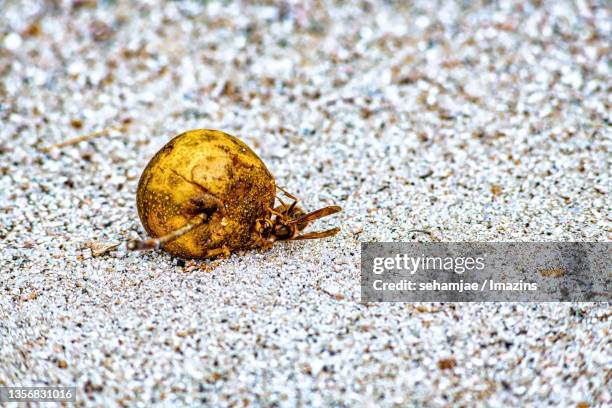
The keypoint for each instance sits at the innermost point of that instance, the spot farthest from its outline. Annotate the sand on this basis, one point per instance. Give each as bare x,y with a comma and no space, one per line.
475,122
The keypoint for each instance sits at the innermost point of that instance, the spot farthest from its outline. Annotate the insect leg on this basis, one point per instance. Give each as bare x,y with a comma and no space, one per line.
291,196
223,252
282,216
288,194
285,206
155,243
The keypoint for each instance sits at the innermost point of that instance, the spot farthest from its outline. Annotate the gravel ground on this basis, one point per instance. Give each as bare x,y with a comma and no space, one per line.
478,122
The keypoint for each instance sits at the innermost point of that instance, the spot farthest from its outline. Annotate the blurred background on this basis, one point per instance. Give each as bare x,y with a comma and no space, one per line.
443,106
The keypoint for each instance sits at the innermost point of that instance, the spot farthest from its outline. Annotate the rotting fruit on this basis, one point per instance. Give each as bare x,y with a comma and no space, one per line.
206,194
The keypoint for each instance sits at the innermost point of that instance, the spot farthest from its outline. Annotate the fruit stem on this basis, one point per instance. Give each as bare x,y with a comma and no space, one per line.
156,243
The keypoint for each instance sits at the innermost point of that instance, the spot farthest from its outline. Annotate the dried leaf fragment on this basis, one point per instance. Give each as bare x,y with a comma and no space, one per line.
553,272
101,248
496,190
28,296
447,363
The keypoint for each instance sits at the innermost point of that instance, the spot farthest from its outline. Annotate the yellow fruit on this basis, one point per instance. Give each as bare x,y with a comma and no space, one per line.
207,194
211,173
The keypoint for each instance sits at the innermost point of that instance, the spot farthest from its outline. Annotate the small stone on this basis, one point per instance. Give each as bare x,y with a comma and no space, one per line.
447,363
13,41
101,248
496,190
